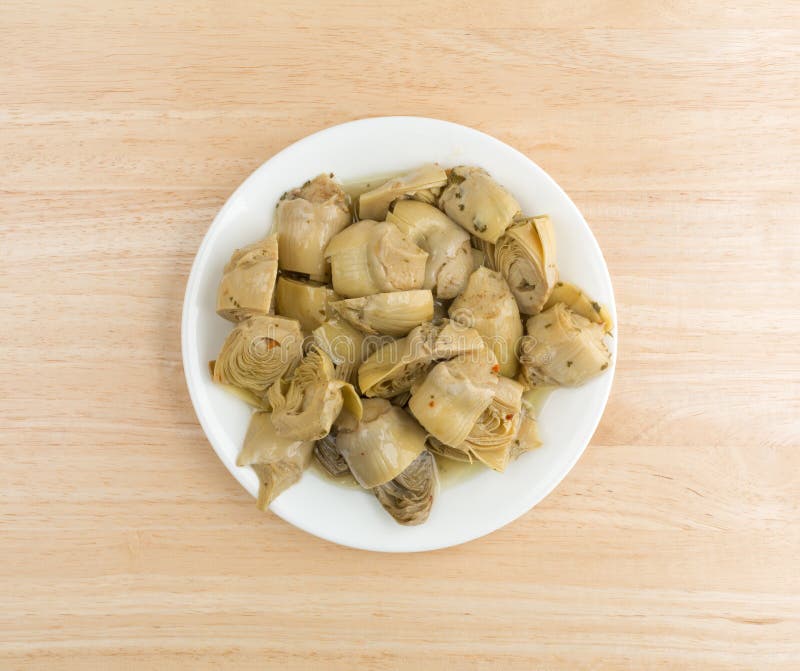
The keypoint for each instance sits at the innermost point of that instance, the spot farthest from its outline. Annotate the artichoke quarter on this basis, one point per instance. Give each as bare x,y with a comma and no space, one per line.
370,257
562,348
526,256
476,202
449,261
488,306
248,281
257,352
277,461
306,219
307,402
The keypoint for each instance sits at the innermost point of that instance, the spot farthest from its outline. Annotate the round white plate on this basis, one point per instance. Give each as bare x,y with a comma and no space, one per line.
353,151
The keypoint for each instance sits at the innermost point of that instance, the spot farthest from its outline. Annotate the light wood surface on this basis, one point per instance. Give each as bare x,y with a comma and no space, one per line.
674,543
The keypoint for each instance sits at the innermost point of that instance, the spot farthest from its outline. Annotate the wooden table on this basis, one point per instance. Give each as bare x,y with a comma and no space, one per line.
674,543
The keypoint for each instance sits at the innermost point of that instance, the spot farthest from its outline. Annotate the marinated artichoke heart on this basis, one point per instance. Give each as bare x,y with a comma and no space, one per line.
395,367
370,257
579,302
477,203
307,302
491,438
454,395
526,257
243,394
306,219
374,204
305,405
488,306
277,461
393,314
409,497
562,348
382,444
344,344
449,257
259,351
329,457
248,281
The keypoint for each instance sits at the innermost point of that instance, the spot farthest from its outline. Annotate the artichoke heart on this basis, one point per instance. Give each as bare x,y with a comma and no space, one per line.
382,444
257,352
476,202
488,306
277,461
526,256
409,496
395,367
393,314
577,301
344,344
306,219
248,281
307,302
491,438
447,244
329,457
370,257
305,405
454,394
562,348
374,204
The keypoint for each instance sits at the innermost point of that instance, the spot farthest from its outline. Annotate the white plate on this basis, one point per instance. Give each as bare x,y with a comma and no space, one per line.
360,149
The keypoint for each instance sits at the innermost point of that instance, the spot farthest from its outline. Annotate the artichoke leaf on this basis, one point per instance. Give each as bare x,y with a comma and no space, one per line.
393,314
277,461
577,301
374,204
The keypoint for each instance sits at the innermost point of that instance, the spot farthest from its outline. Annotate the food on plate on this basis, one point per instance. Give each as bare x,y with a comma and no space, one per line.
477,203
278,462
562,348
258,352
488,306
393,314
370,256
248,281
306,219
417,324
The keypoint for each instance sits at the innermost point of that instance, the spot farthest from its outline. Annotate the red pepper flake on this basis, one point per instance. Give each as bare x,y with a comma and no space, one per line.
509,417
496,368
432,403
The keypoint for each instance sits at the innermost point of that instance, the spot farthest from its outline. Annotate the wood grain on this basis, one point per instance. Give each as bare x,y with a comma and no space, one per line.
674,542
